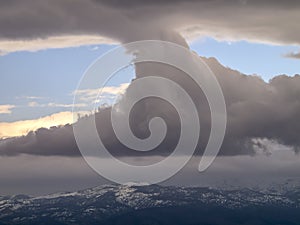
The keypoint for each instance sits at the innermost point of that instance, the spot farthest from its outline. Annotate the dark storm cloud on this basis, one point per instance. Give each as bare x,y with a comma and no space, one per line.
256,110
268,21
259,109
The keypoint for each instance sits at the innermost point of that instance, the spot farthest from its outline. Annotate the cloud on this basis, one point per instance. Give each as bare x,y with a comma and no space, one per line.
48,142
268,146
33,104
55,105
256,109
30,97
36,175
66,41
261,116
89,95
36,25
6,109
23,127
293,55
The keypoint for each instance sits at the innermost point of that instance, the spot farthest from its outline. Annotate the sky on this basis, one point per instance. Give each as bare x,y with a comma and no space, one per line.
46,47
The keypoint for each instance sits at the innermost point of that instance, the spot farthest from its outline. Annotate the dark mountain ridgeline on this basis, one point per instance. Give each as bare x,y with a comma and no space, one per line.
153,205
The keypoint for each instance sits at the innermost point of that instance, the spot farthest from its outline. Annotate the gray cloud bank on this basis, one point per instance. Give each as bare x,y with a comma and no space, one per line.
256,110
266,20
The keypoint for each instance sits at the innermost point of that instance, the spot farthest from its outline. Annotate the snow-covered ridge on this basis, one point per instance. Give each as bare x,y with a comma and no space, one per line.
107,200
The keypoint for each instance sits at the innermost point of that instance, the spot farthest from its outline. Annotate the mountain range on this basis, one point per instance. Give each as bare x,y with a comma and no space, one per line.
134,204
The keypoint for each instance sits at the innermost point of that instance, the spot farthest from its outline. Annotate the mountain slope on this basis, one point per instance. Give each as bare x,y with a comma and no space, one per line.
153,204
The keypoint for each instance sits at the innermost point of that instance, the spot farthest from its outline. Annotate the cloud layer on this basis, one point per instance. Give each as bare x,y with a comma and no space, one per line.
19,128
7,46
259,113
34,24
